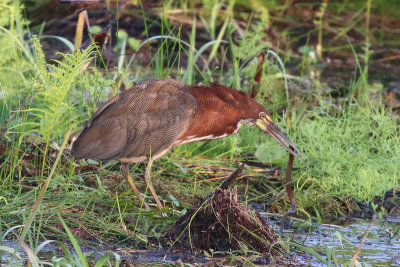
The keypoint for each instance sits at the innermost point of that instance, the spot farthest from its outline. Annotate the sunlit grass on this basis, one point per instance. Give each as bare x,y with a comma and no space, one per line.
351,153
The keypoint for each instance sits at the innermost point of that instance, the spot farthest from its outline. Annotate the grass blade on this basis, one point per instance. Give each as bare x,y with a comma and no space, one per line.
42,192
77,248
65,41
106,257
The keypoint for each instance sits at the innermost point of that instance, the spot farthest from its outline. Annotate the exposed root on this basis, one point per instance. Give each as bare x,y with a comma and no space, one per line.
221,223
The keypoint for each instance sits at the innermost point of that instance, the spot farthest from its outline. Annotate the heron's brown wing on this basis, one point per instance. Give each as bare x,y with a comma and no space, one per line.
125,97
102,140
145,120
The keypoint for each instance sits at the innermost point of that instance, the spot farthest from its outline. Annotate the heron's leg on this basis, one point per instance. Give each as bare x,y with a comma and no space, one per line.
153,192
125,172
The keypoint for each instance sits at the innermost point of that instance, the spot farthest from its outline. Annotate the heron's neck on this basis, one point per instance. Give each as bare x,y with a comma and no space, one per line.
211,134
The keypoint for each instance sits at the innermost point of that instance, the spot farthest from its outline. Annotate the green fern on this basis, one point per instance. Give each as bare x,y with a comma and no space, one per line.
52,106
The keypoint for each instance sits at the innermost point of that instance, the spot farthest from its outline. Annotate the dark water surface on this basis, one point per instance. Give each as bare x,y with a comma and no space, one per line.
382,247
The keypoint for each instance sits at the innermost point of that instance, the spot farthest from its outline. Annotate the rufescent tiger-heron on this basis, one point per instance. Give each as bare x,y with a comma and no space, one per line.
145,121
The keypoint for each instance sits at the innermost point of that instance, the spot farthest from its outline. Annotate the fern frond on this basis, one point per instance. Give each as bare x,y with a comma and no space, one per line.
40,60
52,108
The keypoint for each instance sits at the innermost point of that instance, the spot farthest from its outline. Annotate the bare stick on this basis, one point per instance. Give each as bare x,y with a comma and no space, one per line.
353,261
232,177
257,77
289,190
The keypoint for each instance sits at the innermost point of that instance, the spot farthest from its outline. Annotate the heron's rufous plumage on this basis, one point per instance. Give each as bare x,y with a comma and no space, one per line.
145,121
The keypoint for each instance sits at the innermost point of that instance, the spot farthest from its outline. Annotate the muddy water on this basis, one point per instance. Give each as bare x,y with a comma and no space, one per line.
93,254
382,247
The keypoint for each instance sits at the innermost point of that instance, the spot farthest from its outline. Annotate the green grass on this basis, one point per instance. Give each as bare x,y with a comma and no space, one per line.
351,146
351,154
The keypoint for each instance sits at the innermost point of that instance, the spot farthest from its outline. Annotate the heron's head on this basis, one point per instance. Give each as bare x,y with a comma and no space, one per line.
265,123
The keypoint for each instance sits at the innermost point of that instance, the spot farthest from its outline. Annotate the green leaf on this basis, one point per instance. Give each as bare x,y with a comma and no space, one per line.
174,201
121,39
93,162
182,169
271,152
4,112
134,43
319,219
95,29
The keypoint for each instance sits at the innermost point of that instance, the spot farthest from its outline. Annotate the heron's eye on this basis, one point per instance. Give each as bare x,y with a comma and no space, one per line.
265,117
